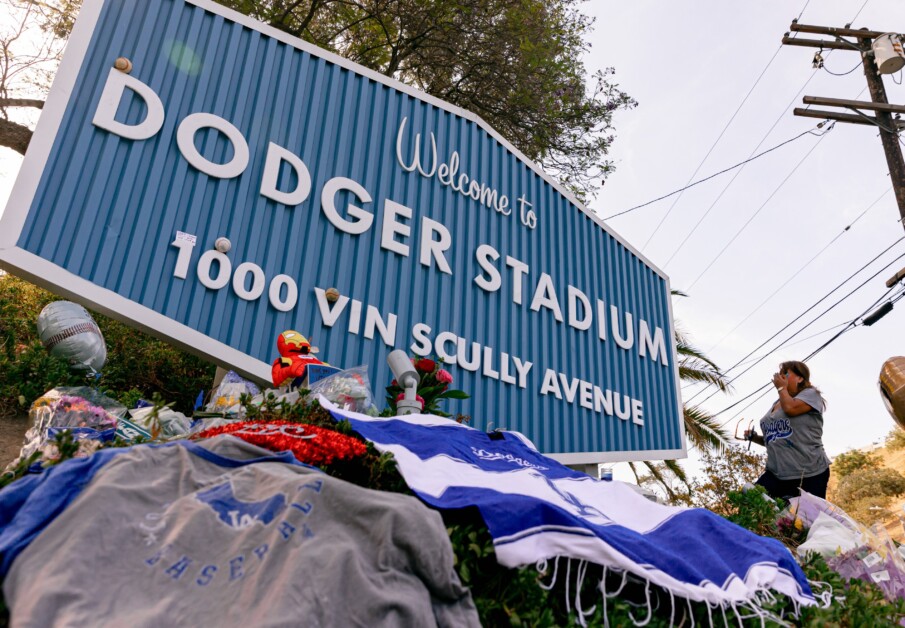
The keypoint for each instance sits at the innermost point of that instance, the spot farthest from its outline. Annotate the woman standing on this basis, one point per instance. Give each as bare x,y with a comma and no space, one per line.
792,432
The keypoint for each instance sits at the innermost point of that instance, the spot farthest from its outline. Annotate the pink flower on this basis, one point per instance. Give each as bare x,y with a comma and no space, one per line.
444,377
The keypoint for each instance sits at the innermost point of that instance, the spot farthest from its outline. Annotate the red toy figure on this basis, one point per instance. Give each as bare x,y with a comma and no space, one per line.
296,354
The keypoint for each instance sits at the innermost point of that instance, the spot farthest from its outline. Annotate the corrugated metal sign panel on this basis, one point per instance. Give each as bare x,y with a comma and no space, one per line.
125,224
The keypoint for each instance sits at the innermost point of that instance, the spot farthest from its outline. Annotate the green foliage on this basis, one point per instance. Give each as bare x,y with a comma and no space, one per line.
518,64
869,483
503,597
895,440
854,460
866,493
754,510
137,365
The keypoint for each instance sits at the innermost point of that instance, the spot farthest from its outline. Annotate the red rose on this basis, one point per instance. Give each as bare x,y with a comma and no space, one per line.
444,377
425,366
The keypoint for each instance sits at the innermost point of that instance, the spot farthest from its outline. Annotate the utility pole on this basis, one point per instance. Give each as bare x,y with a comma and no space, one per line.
885,116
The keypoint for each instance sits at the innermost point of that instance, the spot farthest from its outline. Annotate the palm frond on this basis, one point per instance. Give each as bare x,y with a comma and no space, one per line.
703,430
714,378
631,465
658,476
678,471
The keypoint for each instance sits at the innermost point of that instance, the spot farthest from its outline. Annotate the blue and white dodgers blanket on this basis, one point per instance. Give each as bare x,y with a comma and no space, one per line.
537,508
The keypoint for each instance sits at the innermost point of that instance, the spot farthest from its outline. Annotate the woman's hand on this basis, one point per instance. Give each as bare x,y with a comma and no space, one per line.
779,381
754,437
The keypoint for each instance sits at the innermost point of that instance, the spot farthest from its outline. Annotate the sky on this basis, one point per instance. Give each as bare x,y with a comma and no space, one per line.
714,87
694,67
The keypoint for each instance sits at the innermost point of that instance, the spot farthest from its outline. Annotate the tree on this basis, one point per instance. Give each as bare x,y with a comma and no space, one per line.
31,42
701,428
515,63
855,460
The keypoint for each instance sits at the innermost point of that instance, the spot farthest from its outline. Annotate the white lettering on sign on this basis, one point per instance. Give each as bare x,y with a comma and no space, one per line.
470,355
347,205
396,231
448,174
580,313
276,155
105,114
592,397
185,139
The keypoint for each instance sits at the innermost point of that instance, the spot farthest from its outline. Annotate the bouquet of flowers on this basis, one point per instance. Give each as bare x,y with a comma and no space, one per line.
433,387
82,411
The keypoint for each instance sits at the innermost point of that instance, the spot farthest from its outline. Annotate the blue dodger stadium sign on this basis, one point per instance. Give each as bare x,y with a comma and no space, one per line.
440,237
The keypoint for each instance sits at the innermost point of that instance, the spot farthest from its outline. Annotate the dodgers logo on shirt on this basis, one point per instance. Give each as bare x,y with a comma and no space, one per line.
239,514
775,429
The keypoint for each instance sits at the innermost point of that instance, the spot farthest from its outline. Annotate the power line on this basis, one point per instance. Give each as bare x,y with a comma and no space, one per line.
760,209
803,314
805,339
823,67
740,164
717,141
763,139
736,175
859,12
851,325
814,320
797,342
797,272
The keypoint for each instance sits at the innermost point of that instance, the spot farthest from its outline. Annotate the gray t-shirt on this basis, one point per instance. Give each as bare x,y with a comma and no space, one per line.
795,444
167,536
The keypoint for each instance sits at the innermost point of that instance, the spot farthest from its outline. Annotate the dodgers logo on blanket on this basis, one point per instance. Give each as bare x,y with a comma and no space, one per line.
237,513
215,193
536,508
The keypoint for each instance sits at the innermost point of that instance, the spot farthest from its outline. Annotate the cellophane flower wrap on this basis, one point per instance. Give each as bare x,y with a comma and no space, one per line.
83,411
350,389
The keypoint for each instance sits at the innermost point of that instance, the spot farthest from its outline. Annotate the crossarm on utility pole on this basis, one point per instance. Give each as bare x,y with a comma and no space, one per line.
826,44
832,30
853,104
840,117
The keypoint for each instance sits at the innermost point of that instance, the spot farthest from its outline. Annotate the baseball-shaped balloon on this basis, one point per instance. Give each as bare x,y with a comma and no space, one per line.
69,332
892,388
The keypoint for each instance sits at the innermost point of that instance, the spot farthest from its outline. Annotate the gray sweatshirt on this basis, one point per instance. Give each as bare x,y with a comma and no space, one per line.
181,535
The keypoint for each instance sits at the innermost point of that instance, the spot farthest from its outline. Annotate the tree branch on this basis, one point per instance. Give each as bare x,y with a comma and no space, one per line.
21,102
15,136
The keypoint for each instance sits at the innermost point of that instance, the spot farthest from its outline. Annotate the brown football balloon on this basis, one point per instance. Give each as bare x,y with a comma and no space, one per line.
892,388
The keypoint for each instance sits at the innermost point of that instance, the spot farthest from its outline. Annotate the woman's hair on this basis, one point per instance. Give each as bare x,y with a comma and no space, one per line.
801,369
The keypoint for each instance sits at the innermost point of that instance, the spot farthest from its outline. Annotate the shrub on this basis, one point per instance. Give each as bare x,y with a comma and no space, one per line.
723,473
854,460
895,440
135,361
869,483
